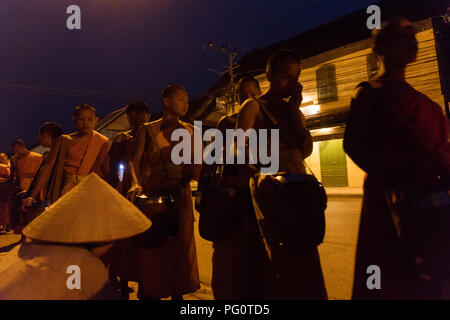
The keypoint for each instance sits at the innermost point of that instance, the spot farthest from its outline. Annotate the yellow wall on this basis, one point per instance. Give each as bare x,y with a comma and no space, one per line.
351,69
355,174
313,161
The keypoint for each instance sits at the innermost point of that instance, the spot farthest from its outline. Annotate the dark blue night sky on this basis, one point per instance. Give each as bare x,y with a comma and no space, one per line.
129,46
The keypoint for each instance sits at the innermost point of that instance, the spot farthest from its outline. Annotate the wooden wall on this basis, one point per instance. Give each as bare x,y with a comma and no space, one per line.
351,68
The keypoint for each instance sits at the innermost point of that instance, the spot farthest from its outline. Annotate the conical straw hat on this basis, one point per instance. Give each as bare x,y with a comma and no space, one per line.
93,211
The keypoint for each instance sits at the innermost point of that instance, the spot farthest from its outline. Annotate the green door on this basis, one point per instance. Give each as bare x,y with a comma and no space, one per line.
333,164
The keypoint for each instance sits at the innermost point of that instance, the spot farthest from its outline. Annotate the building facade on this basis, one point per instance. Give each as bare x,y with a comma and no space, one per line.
329,80
331,69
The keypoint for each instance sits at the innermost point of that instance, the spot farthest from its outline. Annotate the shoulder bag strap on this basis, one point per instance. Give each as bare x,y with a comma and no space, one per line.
275,122
267,112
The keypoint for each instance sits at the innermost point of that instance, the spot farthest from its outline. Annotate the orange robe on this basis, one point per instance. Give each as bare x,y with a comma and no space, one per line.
81,159
171,268
4,192
27,167
70,161
378,243
298,274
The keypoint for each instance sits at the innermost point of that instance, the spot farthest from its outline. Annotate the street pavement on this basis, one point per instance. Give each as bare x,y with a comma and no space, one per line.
337,252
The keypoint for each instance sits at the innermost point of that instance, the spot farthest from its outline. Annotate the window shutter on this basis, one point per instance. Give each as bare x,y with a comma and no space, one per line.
326,83
372,65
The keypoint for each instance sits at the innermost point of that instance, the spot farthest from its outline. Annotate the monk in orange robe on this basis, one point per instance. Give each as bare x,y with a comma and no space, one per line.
169,269
379,143
123,255
233,266
73,157
49,133
27,164
279,273
5,171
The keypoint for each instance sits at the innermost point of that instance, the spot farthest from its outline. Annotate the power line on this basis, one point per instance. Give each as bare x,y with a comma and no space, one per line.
171,14
185,54
71,92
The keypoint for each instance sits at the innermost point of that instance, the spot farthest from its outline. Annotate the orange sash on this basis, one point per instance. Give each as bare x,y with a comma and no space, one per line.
81,157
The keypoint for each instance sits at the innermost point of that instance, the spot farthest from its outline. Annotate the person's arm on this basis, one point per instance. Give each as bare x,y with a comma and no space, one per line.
47,168
99,164
302,135
135,164
111,160
38,165
247,118
248,114
7,171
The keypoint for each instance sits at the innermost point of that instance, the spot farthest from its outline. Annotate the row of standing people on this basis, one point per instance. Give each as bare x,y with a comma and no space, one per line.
167,270
240,266
400,138
170,269
17,174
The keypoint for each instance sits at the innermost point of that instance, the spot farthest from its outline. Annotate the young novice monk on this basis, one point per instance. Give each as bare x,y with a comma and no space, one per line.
73,157
380,143
298,273
5,172
234,266
169,269
49,132
122,258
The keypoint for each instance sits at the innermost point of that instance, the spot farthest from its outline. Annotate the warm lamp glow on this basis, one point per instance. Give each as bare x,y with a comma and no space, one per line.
310,109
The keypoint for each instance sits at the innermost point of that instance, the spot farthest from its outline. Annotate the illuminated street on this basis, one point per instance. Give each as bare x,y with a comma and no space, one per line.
337,253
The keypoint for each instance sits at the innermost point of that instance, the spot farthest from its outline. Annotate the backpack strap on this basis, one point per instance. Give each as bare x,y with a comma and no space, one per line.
266,112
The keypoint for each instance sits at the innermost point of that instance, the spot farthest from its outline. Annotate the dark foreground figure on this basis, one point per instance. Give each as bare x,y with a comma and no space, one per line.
400,138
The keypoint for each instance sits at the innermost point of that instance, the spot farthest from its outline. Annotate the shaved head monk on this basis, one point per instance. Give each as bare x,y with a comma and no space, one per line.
74,156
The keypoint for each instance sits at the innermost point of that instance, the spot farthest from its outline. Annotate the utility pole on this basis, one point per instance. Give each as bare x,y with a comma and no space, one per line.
230,68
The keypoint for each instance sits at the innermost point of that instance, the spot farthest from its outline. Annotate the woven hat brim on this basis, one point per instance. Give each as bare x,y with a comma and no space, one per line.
91,212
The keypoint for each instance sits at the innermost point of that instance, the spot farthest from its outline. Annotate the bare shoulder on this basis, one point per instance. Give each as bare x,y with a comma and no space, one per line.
186,124
189,127
250,106
61,139
121,136
70,136
35,154
156,124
